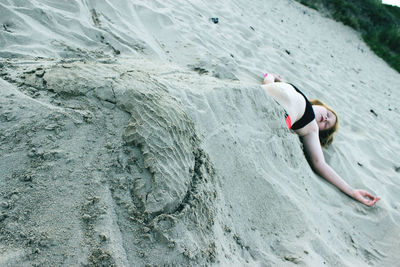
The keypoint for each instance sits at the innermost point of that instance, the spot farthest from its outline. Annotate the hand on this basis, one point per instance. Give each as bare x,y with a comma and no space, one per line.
365,197
271,78
278,77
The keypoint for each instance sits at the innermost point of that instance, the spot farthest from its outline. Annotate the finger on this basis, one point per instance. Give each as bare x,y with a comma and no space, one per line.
376,199
373,202
365,193
370,203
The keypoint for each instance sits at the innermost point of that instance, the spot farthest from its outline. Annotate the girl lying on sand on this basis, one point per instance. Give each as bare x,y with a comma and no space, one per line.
315,123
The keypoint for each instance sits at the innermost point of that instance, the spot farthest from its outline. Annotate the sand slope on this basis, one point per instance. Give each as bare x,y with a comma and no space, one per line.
136,133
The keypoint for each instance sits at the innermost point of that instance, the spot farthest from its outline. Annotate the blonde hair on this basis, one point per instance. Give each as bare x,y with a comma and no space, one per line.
326,136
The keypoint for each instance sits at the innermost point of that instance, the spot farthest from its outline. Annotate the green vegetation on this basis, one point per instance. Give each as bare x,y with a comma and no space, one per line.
379,24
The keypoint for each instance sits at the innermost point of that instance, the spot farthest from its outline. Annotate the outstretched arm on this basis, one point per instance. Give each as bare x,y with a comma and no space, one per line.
317,161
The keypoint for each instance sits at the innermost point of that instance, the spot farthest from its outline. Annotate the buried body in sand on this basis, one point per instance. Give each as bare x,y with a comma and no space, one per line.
315,123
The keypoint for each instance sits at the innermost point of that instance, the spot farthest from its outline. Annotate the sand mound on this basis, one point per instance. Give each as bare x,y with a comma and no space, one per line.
152,179
137,134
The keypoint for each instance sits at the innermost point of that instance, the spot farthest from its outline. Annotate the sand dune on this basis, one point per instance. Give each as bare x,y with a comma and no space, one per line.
136,133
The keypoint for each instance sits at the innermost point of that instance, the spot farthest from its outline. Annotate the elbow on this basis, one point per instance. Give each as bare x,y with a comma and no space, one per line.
318,165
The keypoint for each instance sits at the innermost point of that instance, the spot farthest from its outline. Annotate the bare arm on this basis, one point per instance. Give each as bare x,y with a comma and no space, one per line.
316,158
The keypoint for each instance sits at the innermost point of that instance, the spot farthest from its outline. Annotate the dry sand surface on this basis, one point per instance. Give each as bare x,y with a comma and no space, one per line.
135,133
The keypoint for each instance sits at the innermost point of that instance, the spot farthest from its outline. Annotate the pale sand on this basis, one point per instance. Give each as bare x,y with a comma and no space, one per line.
136,134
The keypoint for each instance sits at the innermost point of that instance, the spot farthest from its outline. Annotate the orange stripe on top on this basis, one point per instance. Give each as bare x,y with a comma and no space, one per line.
288,122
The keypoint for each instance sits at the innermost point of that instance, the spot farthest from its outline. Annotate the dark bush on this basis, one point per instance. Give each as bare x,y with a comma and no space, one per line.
379,24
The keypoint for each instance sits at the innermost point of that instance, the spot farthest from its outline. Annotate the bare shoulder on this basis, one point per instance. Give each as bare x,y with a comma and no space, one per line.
280,91
278,86
310,130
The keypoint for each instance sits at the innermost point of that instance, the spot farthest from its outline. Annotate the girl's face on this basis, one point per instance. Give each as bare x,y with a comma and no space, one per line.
324,117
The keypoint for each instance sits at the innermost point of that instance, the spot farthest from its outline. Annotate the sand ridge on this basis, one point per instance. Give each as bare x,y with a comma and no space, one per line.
128,185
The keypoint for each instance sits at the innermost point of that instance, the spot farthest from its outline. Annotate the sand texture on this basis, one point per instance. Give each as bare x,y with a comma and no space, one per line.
136,133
